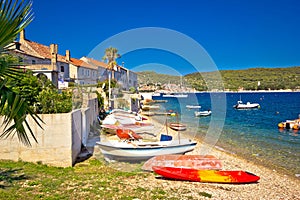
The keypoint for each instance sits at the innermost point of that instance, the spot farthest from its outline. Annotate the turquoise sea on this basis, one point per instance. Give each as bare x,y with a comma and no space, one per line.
252,134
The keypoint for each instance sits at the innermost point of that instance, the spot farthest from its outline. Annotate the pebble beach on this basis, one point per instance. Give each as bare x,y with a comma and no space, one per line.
272,184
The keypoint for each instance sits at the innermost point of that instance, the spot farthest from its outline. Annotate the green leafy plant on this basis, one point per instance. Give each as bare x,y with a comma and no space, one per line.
15,16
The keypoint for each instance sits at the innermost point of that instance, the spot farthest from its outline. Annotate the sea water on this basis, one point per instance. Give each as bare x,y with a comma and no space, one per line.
252,134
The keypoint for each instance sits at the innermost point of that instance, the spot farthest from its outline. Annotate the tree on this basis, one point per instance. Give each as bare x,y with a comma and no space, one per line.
111,54
15,16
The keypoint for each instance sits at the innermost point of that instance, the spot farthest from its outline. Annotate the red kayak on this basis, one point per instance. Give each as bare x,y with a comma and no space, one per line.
211,176
187,161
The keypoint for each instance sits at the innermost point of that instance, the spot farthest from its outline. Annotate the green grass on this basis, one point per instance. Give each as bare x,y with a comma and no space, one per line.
91,180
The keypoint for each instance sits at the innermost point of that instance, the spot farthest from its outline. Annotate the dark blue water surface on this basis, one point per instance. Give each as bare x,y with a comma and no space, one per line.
252,134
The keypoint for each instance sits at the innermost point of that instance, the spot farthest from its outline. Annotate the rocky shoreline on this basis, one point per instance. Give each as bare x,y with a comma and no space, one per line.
272,184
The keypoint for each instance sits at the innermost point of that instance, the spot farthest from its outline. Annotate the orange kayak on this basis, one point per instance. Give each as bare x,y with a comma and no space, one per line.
187,161
202,175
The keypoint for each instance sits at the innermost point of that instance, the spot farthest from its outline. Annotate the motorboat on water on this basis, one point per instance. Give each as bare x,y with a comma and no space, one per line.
175,95
193,106
202,113
290,124
248,105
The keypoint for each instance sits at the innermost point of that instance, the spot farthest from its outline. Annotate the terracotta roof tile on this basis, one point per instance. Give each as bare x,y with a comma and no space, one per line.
95,62
38,50
98,63
81,63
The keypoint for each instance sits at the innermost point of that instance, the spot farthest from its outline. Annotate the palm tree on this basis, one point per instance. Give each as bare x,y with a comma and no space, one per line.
111,54
14,17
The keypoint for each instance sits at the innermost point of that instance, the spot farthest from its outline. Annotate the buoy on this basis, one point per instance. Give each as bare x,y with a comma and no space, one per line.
280,125
296,127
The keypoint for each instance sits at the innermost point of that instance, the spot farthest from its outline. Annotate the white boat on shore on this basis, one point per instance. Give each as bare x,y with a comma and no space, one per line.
150,107
136,151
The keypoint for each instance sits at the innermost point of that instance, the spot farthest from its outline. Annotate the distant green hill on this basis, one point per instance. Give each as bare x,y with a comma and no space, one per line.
248,79
151,77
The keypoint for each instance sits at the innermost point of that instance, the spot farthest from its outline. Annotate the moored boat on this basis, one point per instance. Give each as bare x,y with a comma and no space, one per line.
150,107
202,113
290,124
193,106
248,105
177,126
175,95
135,151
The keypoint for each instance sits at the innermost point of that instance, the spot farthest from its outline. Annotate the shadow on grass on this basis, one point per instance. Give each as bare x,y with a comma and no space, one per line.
10,175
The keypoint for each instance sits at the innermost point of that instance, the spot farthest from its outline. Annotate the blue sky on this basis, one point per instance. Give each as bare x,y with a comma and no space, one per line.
237,34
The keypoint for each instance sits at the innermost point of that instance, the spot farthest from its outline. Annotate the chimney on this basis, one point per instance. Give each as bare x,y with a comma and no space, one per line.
68,55
53,52
22,35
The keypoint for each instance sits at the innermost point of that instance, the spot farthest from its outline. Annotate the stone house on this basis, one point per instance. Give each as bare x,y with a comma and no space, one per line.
61,69
81,72
123,76
42,59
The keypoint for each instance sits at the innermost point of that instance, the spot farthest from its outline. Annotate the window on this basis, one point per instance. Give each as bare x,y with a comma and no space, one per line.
33,62
62,69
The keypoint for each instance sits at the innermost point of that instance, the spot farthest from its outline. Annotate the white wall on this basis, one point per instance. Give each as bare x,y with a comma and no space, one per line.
59,142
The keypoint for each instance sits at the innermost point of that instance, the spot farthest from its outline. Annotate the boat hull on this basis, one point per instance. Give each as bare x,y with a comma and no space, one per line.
141,151
211,176
188,161
177,126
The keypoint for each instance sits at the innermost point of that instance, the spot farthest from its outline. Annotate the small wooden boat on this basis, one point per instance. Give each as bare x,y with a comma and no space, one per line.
202,175
177,126
202,113
188,161
136,151
150,107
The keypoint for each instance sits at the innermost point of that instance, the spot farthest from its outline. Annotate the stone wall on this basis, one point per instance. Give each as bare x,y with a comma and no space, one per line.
59,142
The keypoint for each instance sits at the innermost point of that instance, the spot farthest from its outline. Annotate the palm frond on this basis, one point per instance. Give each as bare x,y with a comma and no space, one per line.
14,17
15,110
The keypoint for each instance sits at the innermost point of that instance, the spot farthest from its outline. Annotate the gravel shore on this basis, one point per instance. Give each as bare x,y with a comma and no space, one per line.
272,184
